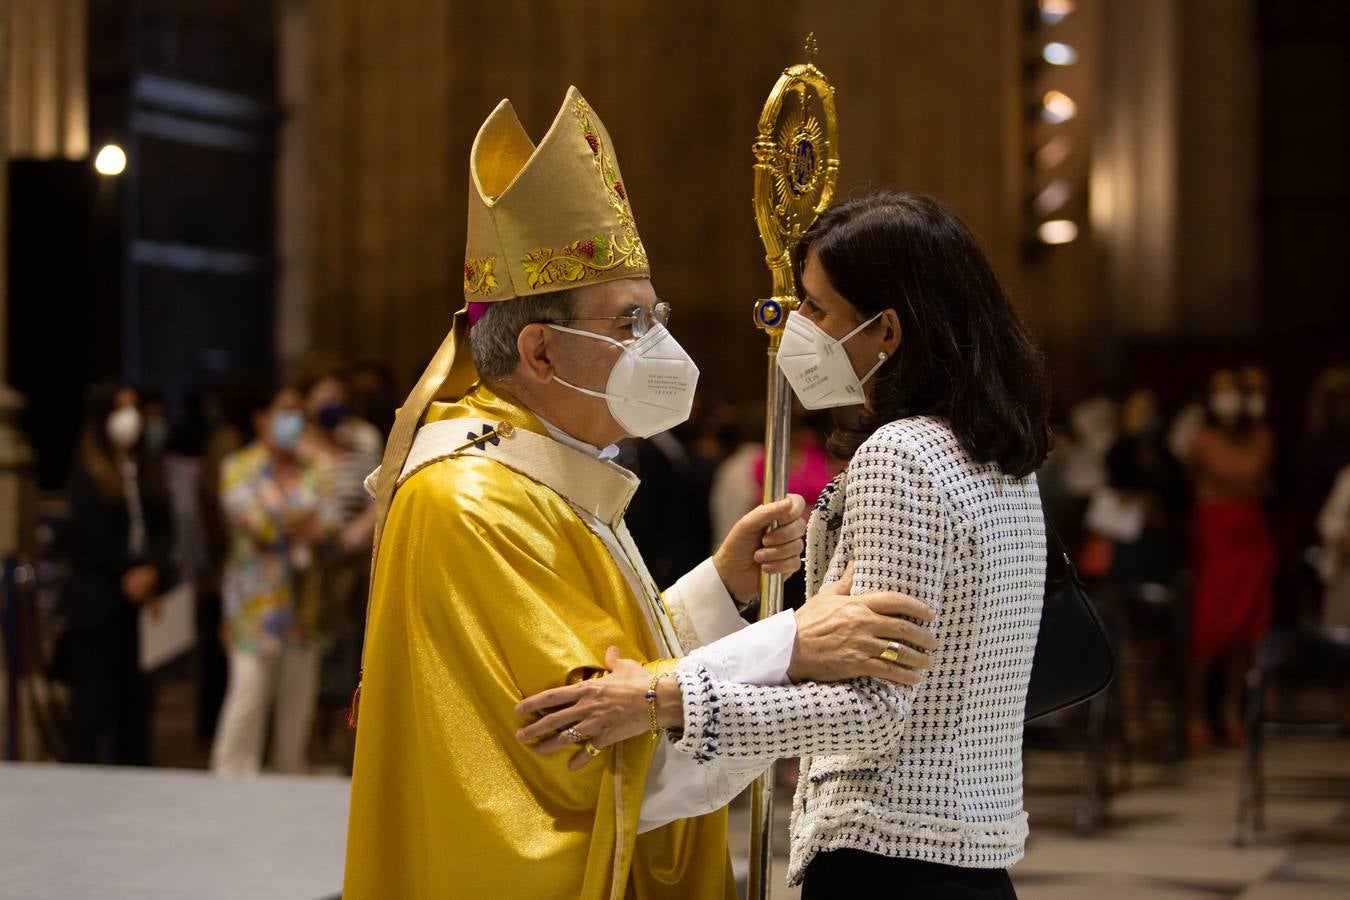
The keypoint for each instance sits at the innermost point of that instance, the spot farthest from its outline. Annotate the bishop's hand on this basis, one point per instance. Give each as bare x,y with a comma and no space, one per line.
842,635
756,545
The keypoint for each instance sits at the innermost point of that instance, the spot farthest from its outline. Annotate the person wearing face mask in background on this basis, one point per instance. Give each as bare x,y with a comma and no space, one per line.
156,422
229,412
1255,394
1094,426
331,405
279,509
346,446
1151,484
120,540
1324,453
1232,553
503,566
347,449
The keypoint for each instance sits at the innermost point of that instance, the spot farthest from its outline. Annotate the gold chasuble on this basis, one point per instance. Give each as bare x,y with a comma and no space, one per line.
503,568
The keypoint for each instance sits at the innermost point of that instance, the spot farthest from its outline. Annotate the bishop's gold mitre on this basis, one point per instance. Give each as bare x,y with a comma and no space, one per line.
550,217
541,219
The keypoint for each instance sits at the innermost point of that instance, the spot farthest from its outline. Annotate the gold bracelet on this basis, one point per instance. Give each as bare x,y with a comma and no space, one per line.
651,704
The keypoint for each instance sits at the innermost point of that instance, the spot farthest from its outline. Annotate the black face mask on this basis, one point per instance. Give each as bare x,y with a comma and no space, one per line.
331,416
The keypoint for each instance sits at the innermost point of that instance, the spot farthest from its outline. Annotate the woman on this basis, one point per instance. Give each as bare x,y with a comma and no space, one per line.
1325,452
347,449
279,509
905,791
1150,494
120,536
1232,552
1334,526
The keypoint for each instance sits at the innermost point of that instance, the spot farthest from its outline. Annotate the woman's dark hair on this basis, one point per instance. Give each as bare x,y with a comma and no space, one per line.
96,456
964,354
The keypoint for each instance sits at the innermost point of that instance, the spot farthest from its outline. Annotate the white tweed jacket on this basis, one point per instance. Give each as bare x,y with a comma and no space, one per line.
934,772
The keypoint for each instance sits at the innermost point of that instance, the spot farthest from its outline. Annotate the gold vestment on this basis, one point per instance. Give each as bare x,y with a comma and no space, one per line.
489,588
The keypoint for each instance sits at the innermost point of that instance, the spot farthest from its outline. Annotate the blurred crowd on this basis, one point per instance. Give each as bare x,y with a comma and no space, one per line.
252,504
254,499
1251,527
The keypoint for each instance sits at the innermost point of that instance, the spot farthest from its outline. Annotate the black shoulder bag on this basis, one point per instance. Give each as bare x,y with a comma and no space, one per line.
1074,661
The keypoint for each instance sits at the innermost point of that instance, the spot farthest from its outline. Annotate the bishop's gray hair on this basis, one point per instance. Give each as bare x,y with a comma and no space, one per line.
492,340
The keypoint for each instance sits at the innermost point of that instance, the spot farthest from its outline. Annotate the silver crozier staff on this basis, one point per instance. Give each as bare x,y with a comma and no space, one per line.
796,164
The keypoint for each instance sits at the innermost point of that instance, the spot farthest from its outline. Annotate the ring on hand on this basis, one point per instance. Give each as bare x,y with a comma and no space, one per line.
575,736
892,652
591,750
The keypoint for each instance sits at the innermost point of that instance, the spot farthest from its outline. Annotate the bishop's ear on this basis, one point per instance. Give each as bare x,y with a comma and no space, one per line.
533,346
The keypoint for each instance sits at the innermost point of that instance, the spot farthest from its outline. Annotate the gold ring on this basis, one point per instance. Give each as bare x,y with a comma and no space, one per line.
575,736
592,750
892,652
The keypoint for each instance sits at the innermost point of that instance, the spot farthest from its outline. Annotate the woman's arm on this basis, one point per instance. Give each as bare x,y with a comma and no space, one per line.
834,637
1333,522
896,529
728,720
159,540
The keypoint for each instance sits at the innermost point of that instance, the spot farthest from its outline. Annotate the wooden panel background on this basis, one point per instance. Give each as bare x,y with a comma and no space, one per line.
927,95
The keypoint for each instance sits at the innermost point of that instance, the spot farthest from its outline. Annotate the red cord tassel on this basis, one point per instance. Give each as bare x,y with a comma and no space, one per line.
356,703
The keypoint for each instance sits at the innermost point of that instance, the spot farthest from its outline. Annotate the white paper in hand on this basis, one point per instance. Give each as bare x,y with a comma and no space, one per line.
169,630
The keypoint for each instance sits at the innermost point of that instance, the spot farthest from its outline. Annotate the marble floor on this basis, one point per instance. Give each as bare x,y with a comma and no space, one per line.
1169,835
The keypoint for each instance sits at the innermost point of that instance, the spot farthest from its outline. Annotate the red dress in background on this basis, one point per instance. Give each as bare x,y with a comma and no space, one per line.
1232,549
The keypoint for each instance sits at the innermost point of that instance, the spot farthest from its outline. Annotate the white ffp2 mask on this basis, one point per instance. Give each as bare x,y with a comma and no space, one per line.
124,427
1227,405
651,387
818,368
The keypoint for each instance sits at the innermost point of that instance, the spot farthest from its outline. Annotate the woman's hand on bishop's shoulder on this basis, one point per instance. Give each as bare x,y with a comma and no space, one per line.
599,712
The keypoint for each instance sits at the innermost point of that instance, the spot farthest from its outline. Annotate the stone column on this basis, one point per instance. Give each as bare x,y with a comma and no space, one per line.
16,456
1174,176
1134,174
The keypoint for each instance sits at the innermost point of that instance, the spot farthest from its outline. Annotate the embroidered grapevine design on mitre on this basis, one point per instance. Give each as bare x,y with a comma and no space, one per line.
592,256
618,195
478,276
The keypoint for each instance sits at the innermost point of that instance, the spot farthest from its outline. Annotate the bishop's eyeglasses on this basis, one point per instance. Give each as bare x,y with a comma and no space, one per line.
640,319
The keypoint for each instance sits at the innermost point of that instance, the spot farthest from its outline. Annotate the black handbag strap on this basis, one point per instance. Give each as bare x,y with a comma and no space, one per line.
1070,569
